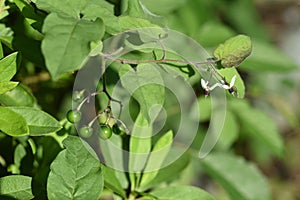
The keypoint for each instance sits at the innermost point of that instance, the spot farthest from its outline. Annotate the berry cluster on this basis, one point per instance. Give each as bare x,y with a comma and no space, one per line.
108,123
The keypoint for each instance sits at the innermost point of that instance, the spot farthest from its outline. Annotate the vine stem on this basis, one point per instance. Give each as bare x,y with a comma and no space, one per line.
163,60
104,86
219,77
86,99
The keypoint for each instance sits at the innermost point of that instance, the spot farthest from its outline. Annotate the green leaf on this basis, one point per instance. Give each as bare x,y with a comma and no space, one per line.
111,181
90,9
145,85
19,96
257,124
6,36
138,10
230,131
129,23
140,144
8,67
34,18
240,179
38,121
67,42
70,8
15,186
47,149
233,51
181,192
157,157
75,173
112,154
12,123
228,73
163,7
3,10
168,173
204,108
1,51
7,86
19,154
248,20
266,57
105,11
213,33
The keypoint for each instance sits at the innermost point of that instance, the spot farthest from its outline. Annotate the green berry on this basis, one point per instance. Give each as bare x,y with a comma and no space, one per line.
105,132
73,116
118,129
86,131
102,119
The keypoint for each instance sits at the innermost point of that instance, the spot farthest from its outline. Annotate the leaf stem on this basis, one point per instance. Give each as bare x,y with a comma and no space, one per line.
162,60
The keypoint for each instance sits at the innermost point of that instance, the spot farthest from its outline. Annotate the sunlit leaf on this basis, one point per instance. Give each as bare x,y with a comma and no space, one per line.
7,86
233,51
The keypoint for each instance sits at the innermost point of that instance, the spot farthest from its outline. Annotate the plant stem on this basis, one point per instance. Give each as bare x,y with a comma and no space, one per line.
163,60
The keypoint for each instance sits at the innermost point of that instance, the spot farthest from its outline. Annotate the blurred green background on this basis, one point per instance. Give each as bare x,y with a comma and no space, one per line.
271,73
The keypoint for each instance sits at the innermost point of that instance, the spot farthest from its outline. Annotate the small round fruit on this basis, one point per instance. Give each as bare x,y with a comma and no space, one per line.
102,119
86,131
118,129
105,132
73,116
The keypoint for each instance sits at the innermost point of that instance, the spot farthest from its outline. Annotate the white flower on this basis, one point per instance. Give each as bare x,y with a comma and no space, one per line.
207,88
204,84
226,86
